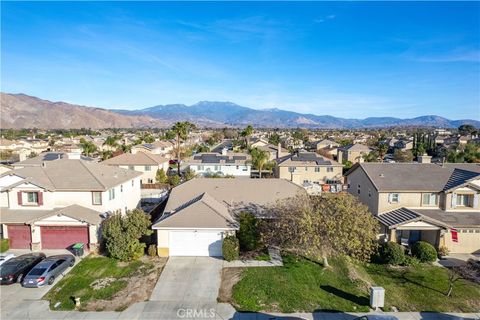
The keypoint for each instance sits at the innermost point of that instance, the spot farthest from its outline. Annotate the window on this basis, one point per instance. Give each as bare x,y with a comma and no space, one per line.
394,197
150,180
429,199
329,169
199,168
217,168
306,168
238,167
32,197
132,183
96,198
148,168
111,194
291,169
121,188
358,189
306,181
369,193
317,169
464,200
131,167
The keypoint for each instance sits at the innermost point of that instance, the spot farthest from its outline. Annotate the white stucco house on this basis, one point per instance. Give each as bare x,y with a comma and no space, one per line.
62,202
223,164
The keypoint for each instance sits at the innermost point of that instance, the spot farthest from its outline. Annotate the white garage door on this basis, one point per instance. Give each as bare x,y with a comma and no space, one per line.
196,243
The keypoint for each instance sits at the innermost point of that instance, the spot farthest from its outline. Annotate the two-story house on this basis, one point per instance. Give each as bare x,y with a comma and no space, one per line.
164,148
147,163
422,201
224,164
353,153
61,202
305,168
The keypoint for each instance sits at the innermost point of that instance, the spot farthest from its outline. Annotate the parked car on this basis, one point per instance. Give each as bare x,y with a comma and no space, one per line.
376,317
46,271
16,268
4,257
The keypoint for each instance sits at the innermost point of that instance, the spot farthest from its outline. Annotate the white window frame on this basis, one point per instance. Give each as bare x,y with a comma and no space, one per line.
429,203
111,194
329,169
34,195
148,168
392,197
96,203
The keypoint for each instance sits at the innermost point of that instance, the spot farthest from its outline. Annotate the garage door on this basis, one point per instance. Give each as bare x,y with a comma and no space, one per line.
468,241
62,237
196,243
20,236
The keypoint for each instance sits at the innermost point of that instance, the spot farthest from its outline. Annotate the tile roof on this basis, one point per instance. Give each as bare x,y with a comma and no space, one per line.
30,216
139,158
214,158
200,212
414,176
74,175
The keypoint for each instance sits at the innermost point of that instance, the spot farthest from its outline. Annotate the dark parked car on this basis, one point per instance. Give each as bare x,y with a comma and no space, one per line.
46,271
16,268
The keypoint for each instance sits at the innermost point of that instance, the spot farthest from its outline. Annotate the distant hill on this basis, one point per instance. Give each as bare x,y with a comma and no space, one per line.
228,113
23,111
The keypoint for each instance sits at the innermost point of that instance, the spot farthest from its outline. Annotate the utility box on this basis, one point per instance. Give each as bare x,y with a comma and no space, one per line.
377,297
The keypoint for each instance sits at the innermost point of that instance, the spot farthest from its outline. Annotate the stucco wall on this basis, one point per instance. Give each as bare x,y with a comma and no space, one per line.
302,173
368,194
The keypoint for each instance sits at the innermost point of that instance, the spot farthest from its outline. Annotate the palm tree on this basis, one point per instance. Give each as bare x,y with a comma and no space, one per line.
111,141
181,130
88,147
247,132
259,159
382,149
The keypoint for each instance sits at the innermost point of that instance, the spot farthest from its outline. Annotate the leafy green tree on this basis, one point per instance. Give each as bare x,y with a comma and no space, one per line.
189,174
174,180
122,233
469,153
249,232
246,133
111,141
161,176
274,138
466,129
106,154
382,149
88,147
181,130
403,156
259,159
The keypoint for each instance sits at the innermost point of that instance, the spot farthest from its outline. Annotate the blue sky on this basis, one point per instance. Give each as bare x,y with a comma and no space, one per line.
347,59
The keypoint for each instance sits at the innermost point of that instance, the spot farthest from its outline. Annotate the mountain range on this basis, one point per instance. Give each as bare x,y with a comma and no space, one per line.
23,111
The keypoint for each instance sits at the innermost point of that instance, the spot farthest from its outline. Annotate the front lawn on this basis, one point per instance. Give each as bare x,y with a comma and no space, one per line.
100,283
303,285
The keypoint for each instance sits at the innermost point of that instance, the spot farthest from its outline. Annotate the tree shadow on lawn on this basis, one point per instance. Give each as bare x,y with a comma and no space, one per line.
362,301
406,279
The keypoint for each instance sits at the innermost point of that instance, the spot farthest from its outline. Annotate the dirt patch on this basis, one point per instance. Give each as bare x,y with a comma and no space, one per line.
253,255
230,276
139,287
361,278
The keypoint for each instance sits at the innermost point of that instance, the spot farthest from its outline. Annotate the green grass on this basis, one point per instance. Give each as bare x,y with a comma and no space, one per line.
423,288
77,282
263,257
302,285
4,245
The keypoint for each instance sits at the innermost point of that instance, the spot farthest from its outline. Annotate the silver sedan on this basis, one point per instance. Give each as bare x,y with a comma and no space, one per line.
46,271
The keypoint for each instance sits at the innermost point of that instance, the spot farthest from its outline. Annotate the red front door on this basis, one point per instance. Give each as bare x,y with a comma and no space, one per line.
20,236
63,237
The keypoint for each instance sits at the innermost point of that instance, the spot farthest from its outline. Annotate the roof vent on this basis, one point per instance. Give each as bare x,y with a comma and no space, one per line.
44,164
382,175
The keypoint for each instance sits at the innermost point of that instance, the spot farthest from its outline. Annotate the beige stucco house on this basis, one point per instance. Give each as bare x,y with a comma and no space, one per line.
422,201
201,212
353,153
144,162
305,168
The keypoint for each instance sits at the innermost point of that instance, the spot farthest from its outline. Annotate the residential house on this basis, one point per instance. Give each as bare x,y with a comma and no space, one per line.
44,157
273,151
404,145
147,163
226,163
201,212
164,148
62,202
325,143
258,142
422,201
306,168
353,153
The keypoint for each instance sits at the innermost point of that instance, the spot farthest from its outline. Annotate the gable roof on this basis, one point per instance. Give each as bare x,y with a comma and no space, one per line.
415,176
356,147
306,159
31,216
139,158
74,175
47,157
200,212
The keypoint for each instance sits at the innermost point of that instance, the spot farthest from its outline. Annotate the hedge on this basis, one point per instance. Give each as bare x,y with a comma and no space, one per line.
230,248
4,245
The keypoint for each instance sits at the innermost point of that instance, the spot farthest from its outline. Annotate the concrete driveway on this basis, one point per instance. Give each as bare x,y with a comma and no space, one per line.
12,296
189,279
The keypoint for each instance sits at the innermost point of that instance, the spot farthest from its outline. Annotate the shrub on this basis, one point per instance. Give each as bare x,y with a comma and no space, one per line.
174,180
152,250
122,233
4,245
443,251
410,261
391,253
249,233
424,251
230,248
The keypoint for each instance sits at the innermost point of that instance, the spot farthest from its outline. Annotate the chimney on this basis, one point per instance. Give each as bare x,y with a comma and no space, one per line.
279,150
224,151
424,159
